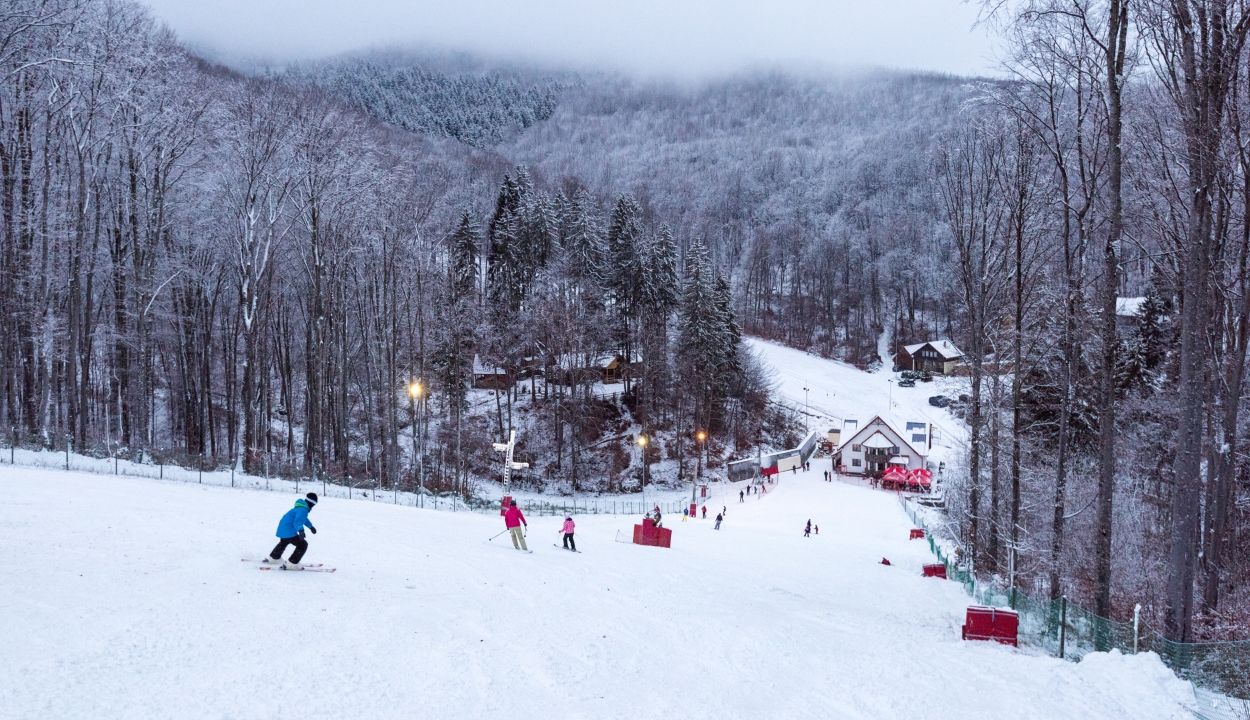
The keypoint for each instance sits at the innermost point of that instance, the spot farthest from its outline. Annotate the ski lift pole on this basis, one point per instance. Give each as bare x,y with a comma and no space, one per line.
508,464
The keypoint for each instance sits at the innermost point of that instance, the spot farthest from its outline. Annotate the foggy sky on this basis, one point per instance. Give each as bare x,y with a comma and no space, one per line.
667,37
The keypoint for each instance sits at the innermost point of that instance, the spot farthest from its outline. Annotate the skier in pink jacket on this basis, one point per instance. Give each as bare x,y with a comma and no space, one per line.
513,520
568,533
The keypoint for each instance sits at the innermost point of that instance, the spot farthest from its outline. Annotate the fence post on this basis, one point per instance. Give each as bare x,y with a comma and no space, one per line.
68,442
1063,623
1136,624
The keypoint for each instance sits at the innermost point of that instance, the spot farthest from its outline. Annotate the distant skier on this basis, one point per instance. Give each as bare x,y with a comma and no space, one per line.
568,533
685,514
291,532
513,520
817,529
657,516
740,496
807,531
718,519
705,512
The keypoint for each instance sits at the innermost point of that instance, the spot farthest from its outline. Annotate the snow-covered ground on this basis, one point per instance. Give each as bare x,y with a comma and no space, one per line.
126,598
837,391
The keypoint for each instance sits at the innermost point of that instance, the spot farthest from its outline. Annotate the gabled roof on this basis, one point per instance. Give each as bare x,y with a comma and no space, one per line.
945,348
871,431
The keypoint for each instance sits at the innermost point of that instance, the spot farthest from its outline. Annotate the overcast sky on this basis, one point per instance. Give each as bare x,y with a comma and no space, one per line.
668,37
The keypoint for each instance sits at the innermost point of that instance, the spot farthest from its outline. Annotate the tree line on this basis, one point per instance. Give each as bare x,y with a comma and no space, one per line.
1104,433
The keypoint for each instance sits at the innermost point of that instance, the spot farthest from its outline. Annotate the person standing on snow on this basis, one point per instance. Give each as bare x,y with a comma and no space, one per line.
568,533
740,495
807,531
291,532
718,519
513,520
685,514
705,512
657,516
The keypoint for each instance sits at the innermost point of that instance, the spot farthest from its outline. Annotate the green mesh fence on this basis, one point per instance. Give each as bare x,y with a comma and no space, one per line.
1068,630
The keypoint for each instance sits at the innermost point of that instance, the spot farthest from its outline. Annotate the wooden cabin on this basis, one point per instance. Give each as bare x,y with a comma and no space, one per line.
488,377
939,357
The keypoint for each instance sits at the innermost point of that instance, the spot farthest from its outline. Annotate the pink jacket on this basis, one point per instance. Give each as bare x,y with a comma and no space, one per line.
568,527
513,518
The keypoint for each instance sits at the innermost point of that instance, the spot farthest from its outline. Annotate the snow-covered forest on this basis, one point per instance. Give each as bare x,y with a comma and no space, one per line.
294,271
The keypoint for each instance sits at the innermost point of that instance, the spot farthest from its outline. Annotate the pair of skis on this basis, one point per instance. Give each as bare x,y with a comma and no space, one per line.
313,567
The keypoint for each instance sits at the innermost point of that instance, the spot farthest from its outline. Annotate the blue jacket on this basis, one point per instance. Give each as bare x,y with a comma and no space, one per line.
295,520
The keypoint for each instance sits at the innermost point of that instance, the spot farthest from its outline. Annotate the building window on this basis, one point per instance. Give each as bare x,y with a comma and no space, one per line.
895,450
856,462
917,438
854,448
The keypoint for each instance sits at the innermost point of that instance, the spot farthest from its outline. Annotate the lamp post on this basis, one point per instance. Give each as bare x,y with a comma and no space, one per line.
642,443
694,487
414,394
807,409
698,467
891,382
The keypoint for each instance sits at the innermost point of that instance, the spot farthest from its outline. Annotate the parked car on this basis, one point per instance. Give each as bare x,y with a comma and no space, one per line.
907,383
939,401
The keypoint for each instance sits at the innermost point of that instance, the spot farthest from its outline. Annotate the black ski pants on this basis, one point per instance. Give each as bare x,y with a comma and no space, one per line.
301,547
568,542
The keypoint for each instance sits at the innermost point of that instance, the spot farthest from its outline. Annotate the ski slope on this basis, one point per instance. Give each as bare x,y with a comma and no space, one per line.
126,598
838,391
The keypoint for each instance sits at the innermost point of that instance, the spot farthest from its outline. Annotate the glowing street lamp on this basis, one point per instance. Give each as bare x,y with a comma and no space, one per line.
642,443
414,394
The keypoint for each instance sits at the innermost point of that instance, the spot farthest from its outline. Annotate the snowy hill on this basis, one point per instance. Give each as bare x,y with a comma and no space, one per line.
126,598
838,391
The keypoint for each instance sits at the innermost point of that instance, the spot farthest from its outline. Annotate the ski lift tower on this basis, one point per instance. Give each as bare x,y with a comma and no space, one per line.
508,465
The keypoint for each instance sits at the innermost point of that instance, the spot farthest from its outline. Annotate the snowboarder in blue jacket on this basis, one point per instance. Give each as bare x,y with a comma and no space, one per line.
291,532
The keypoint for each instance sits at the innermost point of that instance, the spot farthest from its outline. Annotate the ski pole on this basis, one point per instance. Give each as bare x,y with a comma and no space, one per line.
492,538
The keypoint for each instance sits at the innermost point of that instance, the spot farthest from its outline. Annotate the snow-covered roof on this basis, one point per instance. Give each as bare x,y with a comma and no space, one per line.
481,369
945,348
1128,306
877,440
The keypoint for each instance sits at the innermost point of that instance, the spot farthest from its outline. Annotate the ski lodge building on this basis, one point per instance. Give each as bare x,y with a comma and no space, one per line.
878,444
938,356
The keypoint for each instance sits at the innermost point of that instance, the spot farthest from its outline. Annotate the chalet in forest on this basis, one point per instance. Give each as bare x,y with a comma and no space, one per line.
878,444
488,377
608,369
615,369
938,356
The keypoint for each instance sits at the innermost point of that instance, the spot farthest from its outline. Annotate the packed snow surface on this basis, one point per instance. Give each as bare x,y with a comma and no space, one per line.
126,598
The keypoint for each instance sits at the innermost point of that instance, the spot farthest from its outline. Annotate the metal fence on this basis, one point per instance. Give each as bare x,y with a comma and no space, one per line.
328,486
1219,671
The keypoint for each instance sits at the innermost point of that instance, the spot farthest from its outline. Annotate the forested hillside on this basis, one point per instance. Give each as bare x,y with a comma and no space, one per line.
477,108
305,272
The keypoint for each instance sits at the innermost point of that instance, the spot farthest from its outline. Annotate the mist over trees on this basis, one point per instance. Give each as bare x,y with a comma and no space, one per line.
304,272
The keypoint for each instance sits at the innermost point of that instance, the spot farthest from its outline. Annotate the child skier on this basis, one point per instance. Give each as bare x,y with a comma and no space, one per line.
291,532
685,514
568,533
718,519
513,520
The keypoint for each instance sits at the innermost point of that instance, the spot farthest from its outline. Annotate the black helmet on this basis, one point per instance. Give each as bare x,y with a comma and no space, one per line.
312,498
513,503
